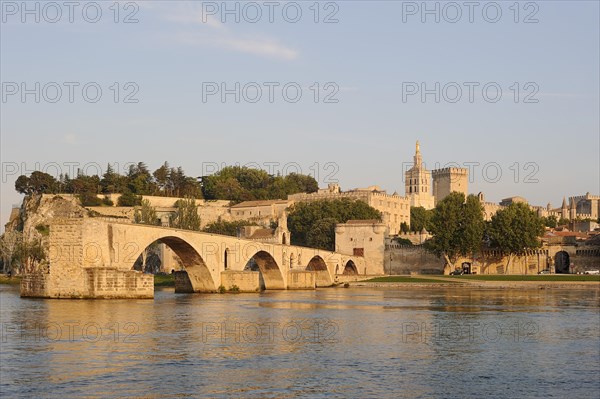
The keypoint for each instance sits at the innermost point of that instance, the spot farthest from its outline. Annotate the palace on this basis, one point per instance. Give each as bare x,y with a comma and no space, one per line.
418,182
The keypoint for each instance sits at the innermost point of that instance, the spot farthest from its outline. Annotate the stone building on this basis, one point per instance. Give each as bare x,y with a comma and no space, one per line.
426,188
362,238
587,206
394,208
513,200
262,212
448,180
278,235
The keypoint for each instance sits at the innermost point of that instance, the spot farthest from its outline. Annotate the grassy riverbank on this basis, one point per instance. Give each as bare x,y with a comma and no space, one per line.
4,279
536,277
407,279
164,280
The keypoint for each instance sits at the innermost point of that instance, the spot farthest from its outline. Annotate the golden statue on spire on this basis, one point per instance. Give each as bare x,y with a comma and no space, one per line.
418,147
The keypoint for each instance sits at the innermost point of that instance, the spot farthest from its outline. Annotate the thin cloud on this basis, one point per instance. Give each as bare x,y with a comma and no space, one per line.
267,47
210,32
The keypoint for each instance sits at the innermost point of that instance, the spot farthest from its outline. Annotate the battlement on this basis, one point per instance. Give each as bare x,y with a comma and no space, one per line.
449,171
587,196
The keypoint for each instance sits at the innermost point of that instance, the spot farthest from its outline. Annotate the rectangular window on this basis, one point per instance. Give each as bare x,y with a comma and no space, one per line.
359,252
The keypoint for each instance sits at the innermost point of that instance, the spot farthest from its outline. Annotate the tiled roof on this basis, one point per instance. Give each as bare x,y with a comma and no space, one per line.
262,233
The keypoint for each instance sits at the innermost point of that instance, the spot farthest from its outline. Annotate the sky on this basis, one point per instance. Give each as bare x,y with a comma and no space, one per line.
339,90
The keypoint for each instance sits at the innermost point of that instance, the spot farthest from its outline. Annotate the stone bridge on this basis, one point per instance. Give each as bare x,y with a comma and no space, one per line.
94,258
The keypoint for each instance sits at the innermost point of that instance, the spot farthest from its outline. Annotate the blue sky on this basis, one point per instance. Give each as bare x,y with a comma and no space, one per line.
372,56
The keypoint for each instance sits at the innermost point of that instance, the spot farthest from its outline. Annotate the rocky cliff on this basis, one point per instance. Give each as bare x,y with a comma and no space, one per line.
37,212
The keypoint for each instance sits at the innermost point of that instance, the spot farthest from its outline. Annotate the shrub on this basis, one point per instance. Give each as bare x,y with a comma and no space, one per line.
129,199
89,199
43,229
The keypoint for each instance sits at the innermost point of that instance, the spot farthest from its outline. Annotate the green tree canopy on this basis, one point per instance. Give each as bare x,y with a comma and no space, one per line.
145,214
457,227
310,223
239,184
550,221
232,183
129,199
227,228
37,183
515,229
420,218
187,217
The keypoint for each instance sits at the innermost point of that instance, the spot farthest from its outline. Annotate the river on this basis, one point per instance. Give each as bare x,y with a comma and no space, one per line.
328,343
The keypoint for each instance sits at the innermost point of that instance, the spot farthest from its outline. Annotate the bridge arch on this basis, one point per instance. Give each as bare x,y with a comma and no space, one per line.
197,271
318,265
350,268
269,269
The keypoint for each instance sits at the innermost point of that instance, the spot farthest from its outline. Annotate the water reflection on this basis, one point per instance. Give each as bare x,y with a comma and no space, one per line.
451,342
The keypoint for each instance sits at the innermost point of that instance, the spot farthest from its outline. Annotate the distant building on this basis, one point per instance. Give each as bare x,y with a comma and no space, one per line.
585,226
587,206
260,211
394,208
417,183
448,180
279,235
513,200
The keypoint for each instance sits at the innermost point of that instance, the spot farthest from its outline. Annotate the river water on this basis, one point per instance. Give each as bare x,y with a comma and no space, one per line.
329,343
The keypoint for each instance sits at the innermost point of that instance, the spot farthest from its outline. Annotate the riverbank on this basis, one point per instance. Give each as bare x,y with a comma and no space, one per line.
471,281
15,280
164,280
485,281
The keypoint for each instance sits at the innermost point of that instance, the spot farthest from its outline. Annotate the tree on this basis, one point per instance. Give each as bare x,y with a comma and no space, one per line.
322,234
404,241
227,228
129,199
38,183
304,217
112,182
187,217
457,227
9,244
190,188
89,199
146,214
550,221
22,185
30,255
404,228
301,183
238,184
161,176
420,218
563,222
140,181
85,184
515,229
